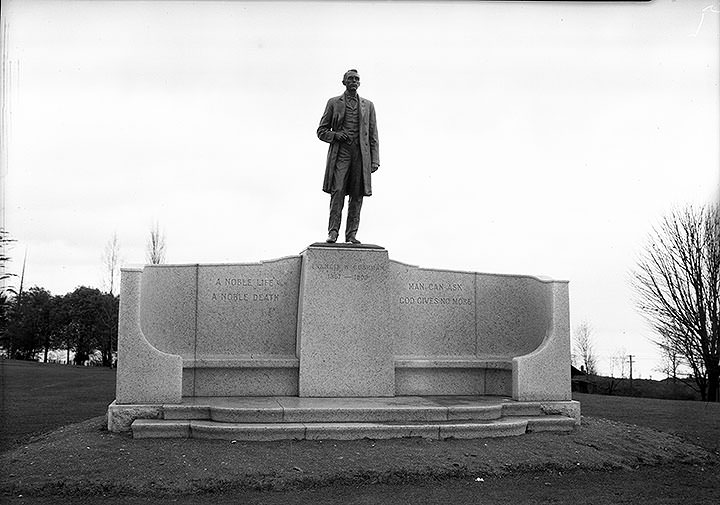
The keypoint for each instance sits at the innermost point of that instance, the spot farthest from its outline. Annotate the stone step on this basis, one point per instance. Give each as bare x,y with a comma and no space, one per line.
512,426
410,409
288,410
341,410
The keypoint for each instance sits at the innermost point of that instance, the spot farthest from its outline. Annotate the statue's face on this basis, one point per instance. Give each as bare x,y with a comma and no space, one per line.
351,82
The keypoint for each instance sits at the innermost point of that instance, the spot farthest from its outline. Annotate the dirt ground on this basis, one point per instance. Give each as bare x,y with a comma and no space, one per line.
659,485
84,462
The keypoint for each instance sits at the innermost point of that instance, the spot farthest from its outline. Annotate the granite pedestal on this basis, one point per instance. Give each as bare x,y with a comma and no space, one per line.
345,332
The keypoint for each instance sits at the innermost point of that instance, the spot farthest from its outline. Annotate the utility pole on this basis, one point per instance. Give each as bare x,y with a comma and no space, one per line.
630,356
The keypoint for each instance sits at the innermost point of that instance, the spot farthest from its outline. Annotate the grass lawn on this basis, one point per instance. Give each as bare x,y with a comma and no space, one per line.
39,397
624,452
698,422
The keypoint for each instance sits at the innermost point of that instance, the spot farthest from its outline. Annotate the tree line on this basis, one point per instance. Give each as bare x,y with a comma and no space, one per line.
83,321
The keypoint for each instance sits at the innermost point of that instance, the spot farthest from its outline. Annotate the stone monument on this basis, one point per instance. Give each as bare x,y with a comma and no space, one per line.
340,341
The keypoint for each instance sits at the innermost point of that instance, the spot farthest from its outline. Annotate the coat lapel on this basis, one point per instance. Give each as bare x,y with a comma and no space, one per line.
340,111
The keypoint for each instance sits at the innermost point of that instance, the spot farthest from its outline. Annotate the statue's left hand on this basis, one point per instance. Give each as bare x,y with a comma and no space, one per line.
374,167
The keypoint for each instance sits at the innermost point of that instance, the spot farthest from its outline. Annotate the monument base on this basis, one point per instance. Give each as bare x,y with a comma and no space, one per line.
283,418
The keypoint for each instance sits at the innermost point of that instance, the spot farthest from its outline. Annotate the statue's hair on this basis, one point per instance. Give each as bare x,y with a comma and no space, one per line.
346,73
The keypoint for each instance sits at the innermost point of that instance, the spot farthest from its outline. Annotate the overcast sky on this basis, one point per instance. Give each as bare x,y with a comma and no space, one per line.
529,138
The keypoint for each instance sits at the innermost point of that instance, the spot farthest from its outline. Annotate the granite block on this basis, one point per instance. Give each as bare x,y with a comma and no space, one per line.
474,412
434,311
569,408
145,375
498,382
544,374
372,410
513,408
243,361
151,428
188,381
373,431
452,362
514,314
345,332
499,428
167,309
186,411
251,410
121,417
248,309
439,381
250,432
246,381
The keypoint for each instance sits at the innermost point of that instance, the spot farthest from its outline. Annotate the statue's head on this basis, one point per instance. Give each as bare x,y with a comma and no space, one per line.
351,80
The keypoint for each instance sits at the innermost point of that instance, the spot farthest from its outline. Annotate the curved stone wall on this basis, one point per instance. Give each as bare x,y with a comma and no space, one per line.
235,326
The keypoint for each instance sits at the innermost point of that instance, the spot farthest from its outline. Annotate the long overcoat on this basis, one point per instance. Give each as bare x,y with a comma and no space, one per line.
332,121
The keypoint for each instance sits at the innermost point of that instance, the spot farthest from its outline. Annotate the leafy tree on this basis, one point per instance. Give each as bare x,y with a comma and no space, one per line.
29,324
80,314
106,338
677,281
87,321
37,310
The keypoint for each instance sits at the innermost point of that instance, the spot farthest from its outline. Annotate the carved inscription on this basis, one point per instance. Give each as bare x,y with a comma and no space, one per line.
435,286
245,290
356,272
436,293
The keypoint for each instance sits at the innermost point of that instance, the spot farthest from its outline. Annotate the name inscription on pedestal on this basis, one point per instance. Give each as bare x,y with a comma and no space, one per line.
356,271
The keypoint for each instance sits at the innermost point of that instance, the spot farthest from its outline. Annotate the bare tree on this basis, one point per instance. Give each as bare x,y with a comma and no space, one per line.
111,262
6,291
617,362
4,241
155,251
677,281
671,358
583,346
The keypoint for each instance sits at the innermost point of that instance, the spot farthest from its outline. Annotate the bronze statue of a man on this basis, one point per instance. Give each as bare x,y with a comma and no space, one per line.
348,125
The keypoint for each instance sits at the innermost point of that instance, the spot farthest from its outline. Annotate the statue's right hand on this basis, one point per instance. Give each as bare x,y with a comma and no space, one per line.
341,137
